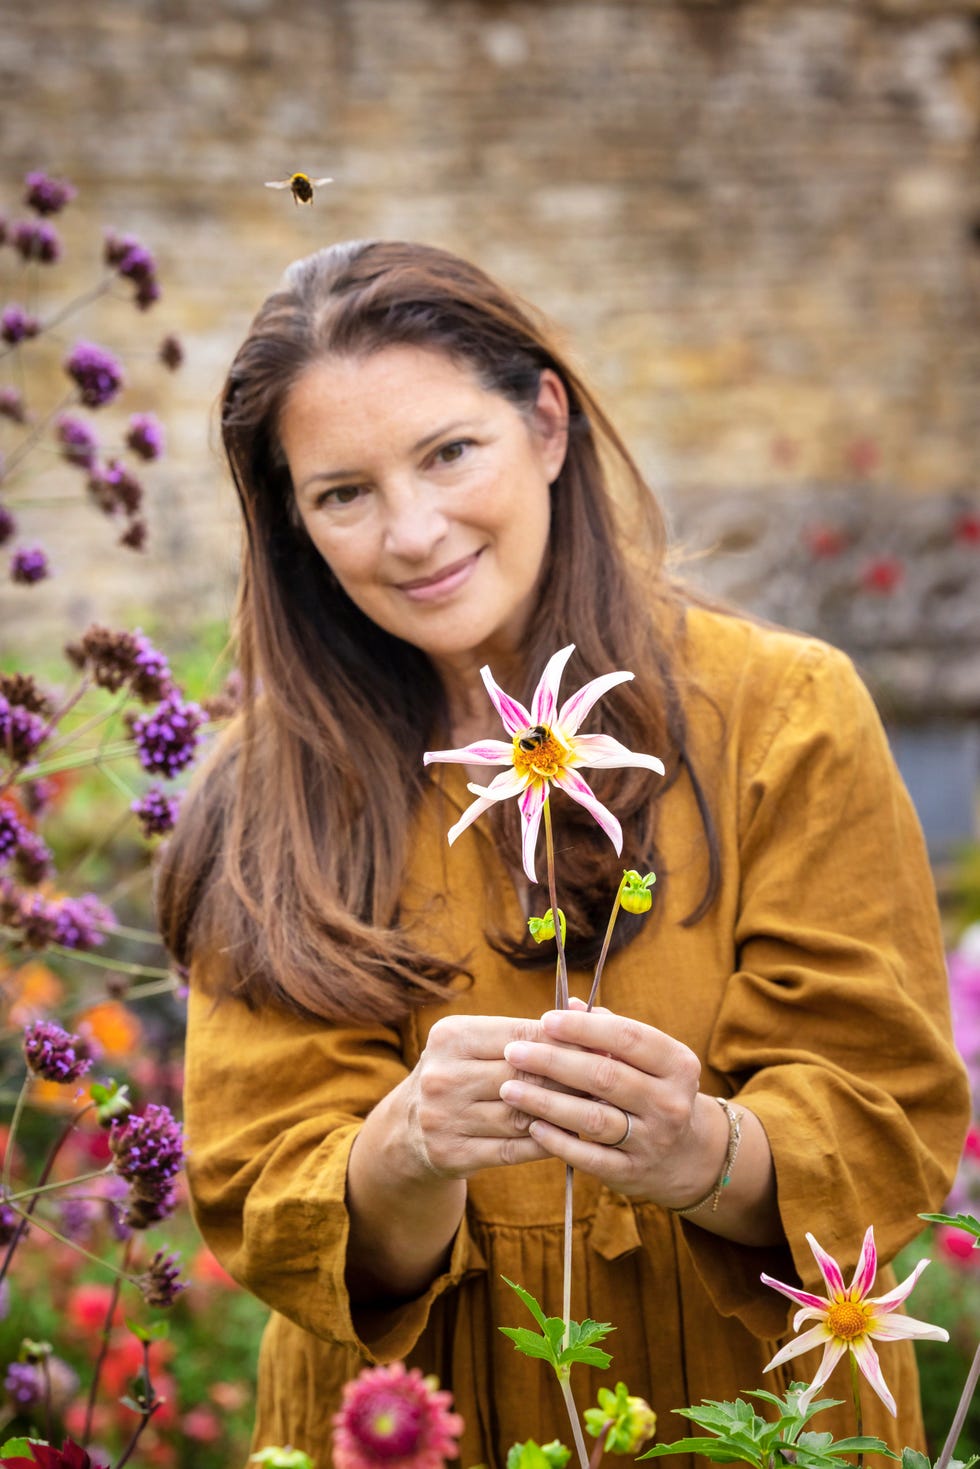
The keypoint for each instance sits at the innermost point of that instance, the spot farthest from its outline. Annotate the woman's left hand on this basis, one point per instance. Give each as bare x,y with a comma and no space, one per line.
628,1110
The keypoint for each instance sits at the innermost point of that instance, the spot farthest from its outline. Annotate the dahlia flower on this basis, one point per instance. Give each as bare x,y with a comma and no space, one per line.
544,749
393,1418
848,1319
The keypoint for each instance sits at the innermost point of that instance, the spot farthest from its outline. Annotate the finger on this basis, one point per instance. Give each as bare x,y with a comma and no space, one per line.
609,1164
479,1037
589,1118
589,1073
629,1040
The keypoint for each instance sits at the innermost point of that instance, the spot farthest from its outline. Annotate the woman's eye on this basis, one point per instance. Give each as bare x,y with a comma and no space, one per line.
449,453
339,495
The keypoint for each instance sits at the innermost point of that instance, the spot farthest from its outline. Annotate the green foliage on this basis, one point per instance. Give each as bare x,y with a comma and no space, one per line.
530,1455
623,1422
741,1436
966,1222
947,1294
547,1345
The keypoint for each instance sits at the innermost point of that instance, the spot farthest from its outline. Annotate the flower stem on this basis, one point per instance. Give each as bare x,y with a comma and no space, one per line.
594,993
48,1188
561,998
25,1214
8,1157
856,1393
573,1418
966,1397
152,1403
600,1444
104,1345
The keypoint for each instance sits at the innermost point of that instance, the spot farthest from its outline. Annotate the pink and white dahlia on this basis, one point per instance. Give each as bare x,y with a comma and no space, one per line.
545,749
848,1320
394,1418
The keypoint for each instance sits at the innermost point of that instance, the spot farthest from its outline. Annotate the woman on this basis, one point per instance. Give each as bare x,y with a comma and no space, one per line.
378,1115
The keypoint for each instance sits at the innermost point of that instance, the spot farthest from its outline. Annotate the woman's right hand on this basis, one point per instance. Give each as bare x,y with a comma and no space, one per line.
455,1119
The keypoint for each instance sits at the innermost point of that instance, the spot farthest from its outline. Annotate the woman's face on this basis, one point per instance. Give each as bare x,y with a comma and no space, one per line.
426,495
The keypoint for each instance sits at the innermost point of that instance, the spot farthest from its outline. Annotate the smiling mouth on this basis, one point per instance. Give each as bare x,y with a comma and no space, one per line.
447,576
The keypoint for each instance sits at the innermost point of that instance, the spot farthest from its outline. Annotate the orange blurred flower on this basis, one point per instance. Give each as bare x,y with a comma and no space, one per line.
32,990
113,1025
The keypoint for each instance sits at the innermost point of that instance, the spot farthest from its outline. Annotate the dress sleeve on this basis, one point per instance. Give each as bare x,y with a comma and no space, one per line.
272,1104
834,1030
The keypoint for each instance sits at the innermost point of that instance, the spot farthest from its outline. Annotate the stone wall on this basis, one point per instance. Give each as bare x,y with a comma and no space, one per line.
758,223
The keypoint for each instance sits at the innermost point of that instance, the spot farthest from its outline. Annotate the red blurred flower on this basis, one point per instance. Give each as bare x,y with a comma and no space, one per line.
394,1418
862,455
882,574
824,540
201,1424
958,1247
208,1269
88,1306
966,527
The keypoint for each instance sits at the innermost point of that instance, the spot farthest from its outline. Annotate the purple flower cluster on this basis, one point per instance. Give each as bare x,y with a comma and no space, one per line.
161,1284
21,731
29,564
113,488
24,1385
9,1219
17,324
46,195
148,1152
34,861
8,525
156,812
79,922
36,240
132,260
96,373
55,1054
11,831
145,436
78,443
12,405
117,658
170,352
167,738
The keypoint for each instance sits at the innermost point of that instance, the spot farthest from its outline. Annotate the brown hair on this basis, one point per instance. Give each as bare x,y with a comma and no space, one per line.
296,897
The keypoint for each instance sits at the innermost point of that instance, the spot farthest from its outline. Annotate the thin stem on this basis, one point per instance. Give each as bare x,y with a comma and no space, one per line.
114,779
561,999
104,1346
566,1264
966,1398
81,757
856,1393
573,1418
123,967
63,1239
26,1214
27,443
49,1188
594,992
152,1403
600,1444
46,1373
8,1157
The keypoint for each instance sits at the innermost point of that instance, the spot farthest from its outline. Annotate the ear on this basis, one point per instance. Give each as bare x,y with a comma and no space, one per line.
551,422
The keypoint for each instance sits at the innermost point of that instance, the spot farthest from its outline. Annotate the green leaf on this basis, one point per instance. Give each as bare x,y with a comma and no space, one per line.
529,1302
530,1343
584,1332
132,1404
591,1356
710,1448
966,1222
914,1459
18,1448
530,1455
111,1100
157,1332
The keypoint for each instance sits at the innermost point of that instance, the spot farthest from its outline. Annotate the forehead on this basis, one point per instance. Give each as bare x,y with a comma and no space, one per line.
390,381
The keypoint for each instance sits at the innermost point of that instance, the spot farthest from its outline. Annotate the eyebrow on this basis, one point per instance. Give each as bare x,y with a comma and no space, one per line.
320,476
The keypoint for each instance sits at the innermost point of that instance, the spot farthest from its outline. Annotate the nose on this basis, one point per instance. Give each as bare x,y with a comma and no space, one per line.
414,523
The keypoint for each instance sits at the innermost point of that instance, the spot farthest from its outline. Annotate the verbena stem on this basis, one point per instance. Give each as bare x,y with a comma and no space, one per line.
104,1345
966,1398
152,1403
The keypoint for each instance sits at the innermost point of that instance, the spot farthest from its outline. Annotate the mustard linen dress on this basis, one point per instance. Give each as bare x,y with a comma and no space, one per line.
814,992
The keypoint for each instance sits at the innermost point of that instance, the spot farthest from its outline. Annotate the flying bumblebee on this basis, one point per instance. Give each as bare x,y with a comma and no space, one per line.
301,186
532,739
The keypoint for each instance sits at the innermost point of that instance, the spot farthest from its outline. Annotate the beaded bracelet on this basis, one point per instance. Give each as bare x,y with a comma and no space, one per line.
725,1176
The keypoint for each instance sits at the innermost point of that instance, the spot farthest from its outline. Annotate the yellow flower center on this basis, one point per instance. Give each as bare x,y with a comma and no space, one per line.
846,1320
538,754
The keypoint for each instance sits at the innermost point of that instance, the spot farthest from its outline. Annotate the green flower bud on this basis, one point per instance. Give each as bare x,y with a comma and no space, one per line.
625,1421
282,1458
530,1455
544,928
634,891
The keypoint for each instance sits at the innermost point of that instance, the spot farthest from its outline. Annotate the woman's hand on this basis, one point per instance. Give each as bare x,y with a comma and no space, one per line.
456,1116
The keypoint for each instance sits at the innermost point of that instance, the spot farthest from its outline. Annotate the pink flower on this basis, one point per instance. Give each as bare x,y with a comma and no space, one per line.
848,1320
544,750
397,1419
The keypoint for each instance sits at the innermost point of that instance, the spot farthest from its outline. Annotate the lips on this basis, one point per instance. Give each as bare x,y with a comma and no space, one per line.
442,582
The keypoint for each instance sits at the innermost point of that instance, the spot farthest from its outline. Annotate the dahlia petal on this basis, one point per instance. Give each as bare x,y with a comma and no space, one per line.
832,1354
867,1360
802,1297
898,1328
531,806
895,1297
812,1338
468,817
512,713
573,785
507,783
574,710
602,750
829,1269
544,704
484,752
867,1267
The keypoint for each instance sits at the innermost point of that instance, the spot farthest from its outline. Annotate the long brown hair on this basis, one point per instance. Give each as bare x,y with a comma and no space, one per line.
284,873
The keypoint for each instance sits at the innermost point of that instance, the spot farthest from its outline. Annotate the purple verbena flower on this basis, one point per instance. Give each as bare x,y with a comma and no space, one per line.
79,922
156,812
11,831
29,564
113,487
36,795
31,915
166,739
77,1217
161,1284
149,1205
36,240
9,1220
21,731
134,536
17,324
116,658
24,1385
148,1151
8,525
97,374
131,259
12,405
145,436
46,195
55,1054
78,443
33,860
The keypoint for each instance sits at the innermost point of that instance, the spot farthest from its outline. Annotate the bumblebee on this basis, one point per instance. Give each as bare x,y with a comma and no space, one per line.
301,186
532,739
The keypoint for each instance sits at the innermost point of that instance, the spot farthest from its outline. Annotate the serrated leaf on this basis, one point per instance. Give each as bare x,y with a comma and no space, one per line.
582,1333
529,1302
591,1356
966,1222
710,1448
915,1459
530,1343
